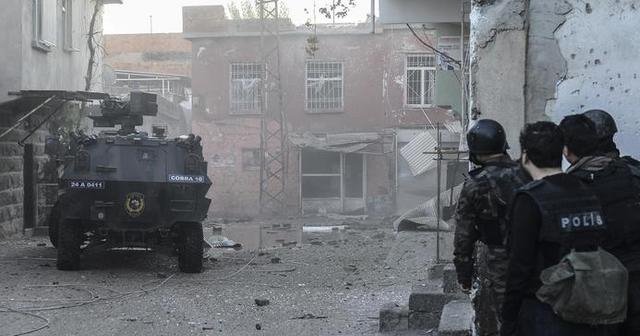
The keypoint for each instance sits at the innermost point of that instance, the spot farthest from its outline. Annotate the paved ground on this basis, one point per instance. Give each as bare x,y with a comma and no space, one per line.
332,284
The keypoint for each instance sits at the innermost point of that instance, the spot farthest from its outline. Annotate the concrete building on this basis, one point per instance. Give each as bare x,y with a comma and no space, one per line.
44,47
154,63
352,98
541,60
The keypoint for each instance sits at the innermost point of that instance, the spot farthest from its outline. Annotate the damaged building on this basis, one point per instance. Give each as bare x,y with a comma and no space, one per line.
45,47
551,58
353,96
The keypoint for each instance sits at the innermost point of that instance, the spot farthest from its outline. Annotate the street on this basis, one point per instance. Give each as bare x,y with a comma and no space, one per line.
334,283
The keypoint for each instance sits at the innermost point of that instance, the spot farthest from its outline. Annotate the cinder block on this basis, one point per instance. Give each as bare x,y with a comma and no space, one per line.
427,299
394,317
436,271
456,319
450,280
424,320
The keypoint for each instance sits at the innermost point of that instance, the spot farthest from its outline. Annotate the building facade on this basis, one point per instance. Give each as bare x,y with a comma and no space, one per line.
351,98
154,63
44,48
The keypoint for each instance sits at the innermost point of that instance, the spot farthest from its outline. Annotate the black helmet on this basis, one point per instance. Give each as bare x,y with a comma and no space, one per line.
605,125
487,137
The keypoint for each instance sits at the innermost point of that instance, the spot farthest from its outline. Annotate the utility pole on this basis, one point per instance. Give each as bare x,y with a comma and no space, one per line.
273,149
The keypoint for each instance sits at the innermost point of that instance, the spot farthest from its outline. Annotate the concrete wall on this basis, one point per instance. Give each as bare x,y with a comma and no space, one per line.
60,69
11,52
420,11
542,60
157,53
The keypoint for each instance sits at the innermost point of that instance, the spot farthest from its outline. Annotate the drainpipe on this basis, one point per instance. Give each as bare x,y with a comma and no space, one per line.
373,16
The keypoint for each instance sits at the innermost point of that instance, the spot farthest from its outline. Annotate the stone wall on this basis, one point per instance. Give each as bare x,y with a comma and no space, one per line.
545,59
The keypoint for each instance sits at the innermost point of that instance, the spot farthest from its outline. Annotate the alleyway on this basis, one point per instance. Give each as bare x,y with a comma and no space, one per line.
332,284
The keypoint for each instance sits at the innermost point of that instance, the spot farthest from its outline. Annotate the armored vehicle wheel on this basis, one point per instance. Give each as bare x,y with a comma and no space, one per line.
70,239
190,247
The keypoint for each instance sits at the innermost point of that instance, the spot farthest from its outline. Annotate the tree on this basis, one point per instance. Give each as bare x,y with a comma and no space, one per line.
337,8
233,10
248,11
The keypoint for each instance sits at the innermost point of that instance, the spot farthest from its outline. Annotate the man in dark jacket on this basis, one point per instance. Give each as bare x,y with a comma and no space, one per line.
616,183
539,239
480,217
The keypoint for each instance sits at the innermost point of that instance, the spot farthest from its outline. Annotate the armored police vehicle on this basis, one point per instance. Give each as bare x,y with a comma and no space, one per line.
124,188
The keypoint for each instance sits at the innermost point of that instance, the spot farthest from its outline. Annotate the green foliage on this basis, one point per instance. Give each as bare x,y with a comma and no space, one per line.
337,8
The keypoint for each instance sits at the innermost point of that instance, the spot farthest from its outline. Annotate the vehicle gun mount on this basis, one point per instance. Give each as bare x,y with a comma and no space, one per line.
128,113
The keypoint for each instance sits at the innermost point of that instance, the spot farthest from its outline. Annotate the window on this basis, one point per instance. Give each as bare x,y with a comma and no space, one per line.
324,172
421,78
246,88
67,26
250,158
320,174
324,90
44,24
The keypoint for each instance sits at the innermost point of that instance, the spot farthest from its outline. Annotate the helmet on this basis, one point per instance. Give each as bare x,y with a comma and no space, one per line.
487,137
605,125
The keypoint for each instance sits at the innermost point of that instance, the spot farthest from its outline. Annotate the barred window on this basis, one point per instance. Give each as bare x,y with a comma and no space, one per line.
246,88
324,90
421,78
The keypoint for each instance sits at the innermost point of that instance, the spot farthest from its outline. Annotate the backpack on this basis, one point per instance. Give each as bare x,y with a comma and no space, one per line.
587,288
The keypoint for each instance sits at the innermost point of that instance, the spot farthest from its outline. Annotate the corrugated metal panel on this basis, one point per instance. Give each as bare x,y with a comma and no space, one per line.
453,126
413,153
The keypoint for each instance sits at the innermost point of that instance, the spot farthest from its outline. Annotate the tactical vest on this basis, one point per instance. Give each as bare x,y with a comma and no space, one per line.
501,179
587,285
571,217
618,188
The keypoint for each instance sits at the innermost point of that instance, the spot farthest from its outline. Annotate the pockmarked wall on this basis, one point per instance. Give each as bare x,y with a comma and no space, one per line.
545,59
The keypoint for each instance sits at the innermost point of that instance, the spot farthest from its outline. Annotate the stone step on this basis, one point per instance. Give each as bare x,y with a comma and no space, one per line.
394,317
456,319
425,306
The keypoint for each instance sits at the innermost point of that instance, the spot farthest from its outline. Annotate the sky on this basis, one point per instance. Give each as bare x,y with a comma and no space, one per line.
166,15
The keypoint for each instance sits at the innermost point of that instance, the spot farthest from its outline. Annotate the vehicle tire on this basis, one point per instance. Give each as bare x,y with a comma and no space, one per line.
70,239
53,223
190,247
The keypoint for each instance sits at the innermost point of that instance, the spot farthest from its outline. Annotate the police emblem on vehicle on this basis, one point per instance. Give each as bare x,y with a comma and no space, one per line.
186,178
134,204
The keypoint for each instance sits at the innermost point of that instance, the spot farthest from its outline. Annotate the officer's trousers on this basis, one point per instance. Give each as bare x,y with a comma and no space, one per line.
489,289
632,324
538,319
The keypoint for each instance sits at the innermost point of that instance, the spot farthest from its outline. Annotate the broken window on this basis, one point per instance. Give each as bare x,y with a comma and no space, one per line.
246,88
250,158
421,78
323,173
324,86
67,19
44,24
320,174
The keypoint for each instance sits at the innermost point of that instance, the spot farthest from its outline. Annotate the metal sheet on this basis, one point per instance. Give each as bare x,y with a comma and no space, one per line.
413,153
344,143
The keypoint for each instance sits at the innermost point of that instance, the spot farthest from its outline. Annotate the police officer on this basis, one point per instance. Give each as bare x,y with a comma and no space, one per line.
615,182
539,240
480,217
